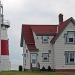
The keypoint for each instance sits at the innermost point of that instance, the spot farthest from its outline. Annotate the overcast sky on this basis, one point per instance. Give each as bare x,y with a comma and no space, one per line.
20,12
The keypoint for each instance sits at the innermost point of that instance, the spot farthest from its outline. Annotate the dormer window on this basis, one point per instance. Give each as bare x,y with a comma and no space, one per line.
45,39
70,37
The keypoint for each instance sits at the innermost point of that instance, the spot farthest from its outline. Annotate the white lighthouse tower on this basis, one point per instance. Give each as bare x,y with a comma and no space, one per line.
4,42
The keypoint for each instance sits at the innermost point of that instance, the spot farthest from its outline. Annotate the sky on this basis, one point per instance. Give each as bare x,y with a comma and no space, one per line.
20,12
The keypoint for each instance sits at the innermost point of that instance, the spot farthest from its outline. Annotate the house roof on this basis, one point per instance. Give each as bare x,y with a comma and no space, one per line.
44,29
61,27
28,37
27,33
51,30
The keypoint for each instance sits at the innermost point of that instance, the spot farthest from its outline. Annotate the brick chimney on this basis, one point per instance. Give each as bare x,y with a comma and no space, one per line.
60,18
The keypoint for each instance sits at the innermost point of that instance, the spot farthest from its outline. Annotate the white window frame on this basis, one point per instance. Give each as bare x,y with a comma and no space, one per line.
68,58
33,59
45,55
68,37
45,39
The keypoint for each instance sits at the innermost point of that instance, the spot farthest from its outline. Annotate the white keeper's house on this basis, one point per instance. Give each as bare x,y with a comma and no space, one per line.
4,42
49,45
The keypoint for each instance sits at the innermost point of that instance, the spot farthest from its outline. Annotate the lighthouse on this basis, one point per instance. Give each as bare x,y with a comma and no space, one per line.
4,42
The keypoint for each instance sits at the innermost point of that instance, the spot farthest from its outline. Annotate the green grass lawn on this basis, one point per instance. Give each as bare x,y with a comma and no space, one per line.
35,73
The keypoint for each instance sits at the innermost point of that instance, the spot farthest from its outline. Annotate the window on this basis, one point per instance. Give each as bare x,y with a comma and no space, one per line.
45,39
33,58
70,57
45,57
70,37
33,61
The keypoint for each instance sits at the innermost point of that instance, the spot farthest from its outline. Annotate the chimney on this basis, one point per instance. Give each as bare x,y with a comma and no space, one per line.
60,18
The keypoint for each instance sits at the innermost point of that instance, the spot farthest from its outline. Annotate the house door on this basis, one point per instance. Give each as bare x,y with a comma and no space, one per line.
33,60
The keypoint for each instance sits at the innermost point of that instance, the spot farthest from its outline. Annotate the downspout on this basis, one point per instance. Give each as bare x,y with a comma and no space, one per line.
53,57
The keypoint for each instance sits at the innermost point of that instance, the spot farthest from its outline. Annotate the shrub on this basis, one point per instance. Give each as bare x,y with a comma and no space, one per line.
49,68
43,68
